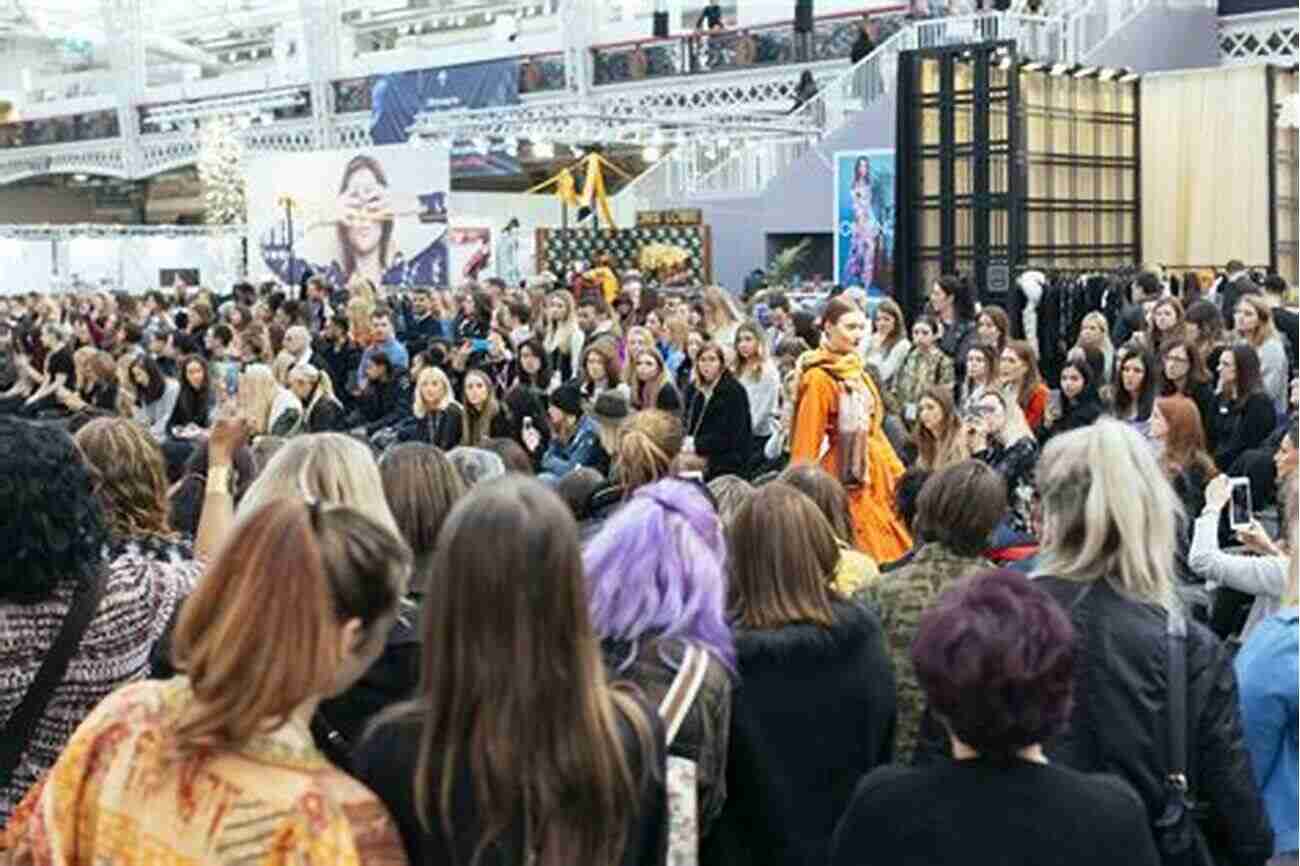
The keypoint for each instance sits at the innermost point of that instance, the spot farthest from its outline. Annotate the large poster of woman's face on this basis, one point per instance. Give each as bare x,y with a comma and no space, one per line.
378,214
864,220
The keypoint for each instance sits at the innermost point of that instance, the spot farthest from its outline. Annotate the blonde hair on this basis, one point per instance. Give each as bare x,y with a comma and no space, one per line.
256,396
1265,330
418,409
322,383
1109,512
558,334
328,467
283,366
719,309
360,311
651,439
1099,320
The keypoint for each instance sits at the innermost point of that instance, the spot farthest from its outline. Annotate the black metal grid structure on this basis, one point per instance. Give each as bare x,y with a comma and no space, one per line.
1283,181
1002,167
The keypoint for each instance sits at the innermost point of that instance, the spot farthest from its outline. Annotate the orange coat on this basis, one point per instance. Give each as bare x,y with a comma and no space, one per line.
879,531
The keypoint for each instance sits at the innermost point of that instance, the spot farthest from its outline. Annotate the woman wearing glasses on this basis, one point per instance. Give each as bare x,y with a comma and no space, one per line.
1182,373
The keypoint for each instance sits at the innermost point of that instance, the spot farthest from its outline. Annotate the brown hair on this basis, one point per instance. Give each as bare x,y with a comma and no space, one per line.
651,439
1000,320
1028,356
784,553
131,476
934,452
827,493
959,507
645,395
608,352
476,424
891,308
421,486
1185,441
295,571
513,689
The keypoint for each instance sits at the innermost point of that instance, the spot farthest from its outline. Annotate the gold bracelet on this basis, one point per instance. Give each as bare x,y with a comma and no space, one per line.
218,479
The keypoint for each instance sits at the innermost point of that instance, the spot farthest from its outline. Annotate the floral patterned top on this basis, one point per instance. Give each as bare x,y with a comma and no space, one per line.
1016,463
117,796
920,370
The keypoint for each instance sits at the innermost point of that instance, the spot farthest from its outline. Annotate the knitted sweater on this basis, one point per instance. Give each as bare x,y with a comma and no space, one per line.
140,596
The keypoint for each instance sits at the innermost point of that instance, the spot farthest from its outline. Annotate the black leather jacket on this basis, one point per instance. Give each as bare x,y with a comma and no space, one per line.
1118,723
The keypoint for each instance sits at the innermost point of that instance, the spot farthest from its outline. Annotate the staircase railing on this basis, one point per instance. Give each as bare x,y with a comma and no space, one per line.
745,168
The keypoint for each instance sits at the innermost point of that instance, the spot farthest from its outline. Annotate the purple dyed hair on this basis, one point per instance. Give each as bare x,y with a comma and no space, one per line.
658,570
995,657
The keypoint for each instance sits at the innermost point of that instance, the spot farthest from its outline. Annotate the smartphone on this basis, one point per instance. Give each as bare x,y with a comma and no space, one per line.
1240,514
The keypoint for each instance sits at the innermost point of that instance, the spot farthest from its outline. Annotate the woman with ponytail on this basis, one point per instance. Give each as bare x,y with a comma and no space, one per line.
831,382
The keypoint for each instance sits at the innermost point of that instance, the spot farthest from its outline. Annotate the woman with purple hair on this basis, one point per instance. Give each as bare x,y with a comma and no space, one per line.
657,578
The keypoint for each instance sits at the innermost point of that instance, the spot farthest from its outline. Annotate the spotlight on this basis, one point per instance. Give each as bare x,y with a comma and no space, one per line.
1059,69
1107,74
1084,71
1005,63
1128,78
651,154
1035,66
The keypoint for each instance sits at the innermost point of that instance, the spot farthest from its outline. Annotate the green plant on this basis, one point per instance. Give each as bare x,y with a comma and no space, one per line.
784,263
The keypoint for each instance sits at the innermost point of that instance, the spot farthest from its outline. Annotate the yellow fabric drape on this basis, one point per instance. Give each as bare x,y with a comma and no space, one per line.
1205,166
594,190
566,189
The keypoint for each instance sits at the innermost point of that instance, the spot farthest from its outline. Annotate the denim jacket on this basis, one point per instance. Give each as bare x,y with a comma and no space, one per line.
582,449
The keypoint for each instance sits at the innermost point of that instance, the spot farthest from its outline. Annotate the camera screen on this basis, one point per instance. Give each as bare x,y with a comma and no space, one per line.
1241,505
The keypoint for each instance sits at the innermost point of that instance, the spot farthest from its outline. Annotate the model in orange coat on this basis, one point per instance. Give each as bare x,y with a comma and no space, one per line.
826,374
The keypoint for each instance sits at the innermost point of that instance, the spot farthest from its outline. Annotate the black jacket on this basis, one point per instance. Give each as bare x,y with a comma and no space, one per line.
1118,722
814,711
341,720
721,426
1240,426
443,429
383,404
341,362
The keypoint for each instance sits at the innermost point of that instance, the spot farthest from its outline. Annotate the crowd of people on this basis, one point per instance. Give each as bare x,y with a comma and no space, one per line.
599,574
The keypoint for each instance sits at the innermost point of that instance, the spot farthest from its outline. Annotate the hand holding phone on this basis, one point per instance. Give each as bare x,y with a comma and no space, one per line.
1240,514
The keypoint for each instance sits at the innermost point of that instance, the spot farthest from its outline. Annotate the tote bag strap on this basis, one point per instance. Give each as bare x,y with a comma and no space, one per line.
681,694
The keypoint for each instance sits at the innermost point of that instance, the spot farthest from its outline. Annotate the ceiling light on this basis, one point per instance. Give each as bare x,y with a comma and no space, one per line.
651,154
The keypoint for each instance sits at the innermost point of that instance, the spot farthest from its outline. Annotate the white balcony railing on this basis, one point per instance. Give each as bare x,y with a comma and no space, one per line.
746,169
